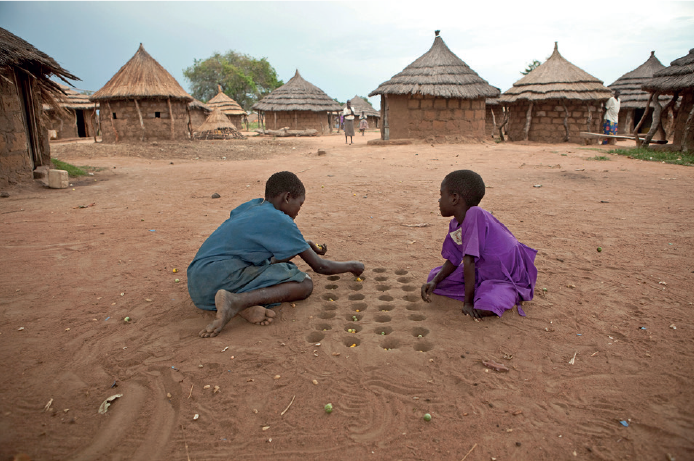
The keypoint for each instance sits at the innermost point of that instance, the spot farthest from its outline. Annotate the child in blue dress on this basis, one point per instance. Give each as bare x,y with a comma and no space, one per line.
246,263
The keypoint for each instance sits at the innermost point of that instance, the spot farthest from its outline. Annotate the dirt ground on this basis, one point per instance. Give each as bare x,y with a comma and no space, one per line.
610,342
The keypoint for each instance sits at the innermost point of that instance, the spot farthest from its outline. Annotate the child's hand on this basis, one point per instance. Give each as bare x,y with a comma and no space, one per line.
427,290
357,268
319,249
469,309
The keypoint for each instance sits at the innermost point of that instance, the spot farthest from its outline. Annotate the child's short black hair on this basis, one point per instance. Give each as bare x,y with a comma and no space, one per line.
466,183
284,181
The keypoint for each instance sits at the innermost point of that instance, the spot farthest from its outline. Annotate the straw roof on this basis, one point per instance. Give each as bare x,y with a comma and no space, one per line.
679,76
141,77
195,104
23,57
297,94
225,103
557,78
359,105
438,72
216,121
629,84
72,100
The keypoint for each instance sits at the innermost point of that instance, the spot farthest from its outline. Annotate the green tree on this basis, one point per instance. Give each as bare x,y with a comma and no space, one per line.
243,78
339,102
532,66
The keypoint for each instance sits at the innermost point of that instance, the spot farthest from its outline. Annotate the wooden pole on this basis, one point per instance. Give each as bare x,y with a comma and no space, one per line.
504,110
643,118
275,119
566,122
491,109
528,118
168,100
655,121
142,124
110,114
687,129
94,129
190,123
296,123
386,122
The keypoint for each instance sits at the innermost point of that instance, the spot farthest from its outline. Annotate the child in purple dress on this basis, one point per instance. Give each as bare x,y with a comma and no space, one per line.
486,267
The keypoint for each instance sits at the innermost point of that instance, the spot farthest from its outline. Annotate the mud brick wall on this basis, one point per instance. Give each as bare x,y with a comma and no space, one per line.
127,121
197,118
489,121
547,124
436,119
14,152
237,120
305,120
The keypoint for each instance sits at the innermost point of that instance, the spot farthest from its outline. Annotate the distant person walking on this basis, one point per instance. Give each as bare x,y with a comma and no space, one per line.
611,117
348,113
363,123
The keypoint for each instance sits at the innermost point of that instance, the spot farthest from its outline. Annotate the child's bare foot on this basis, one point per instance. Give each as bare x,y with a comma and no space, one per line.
258,315
228,305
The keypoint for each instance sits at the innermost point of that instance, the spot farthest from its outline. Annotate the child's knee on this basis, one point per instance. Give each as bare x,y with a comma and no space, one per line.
307,286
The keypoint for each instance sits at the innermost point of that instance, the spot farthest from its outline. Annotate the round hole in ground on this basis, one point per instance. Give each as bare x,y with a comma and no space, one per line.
330,297
380,279
409,288
385,298
325,315
382,318
330,306
323,327
416,317
352,317
382,287
411,298
315,336
386,307
361,307
413,307
356,297
423,346
401,272
351,341
390,343
356,286
419,331
405,279
382,330
352,326
331,287
379,270
334,278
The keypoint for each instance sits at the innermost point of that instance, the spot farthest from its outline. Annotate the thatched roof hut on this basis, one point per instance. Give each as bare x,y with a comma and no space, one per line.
228,106
437,95
25,86
139,98
217,126
677,80
198,112
77,119
566,99
360,105
298,104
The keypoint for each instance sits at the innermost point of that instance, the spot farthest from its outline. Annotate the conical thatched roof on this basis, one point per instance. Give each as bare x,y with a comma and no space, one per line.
141,77
629,84
73,99
557,78
216,121
438,72
679,76
359,105
225,103
297,94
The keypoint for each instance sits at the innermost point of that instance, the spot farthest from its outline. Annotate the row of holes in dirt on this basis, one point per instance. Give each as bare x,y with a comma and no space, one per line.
331,297
356,286
387,343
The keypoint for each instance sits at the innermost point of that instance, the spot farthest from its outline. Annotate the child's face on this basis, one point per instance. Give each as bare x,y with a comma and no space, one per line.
446,201
291,205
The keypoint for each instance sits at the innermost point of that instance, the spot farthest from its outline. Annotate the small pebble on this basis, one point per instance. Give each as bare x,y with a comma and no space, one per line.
315,382
518,444
277,377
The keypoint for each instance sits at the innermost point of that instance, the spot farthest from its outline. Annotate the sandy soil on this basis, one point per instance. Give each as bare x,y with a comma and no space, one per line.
611,339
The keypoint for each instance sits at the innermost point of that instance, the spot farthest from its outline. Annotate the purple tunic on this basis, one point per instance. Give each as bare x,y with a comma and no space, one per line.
505,272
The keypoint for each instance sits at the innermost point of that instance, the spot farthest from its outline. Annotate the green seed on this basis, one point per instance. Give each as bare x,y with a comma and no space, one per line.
383,332
176,280
328,408
599,249
419,336
127,319
427,417
544,289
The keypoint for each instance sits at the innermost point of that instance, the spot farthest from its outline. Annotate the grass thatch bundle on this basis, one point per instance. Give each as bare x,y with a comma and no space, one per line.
72,100
678,77
438,72
629,84
297,94
141,77
225,103
557,78
359,106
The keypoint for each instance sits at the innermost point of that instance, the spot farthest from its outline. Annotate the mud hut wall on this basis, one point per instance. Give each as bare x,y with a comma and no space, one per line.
373,121
444,119
14,152
197,118
64,123
127,121
489,120
237,120
305,120
547,124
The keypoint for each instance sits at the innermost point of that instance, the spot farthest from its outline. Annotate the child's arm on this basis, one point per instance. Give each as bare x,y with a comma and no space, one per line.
428,288
469,277
327,267
319,249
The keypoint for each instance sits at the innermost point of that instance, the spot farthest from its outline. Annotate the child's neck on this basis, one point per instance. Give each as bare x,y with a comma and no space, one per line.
460,213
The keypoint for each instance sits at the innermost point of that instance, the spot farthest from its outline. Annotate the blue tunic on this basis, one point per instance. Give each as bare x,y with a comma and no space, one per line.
236,257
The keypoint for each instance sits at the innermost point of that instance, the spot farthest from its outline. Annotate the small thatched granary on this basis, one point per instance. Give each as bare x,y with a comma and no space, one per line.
437,96
24,88
217,126
678,81
632,98
229,107
298,105
198,112
143,102
555,102
360,105
77,119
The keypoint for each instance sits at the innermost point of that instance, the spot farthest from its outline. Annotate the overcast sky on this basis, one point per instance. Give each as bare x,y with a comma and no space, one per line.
348,49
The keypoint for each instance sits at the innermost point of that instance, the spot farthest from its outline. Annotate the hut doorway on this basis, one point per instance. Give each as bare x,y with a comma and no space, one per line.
646,125
81,125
